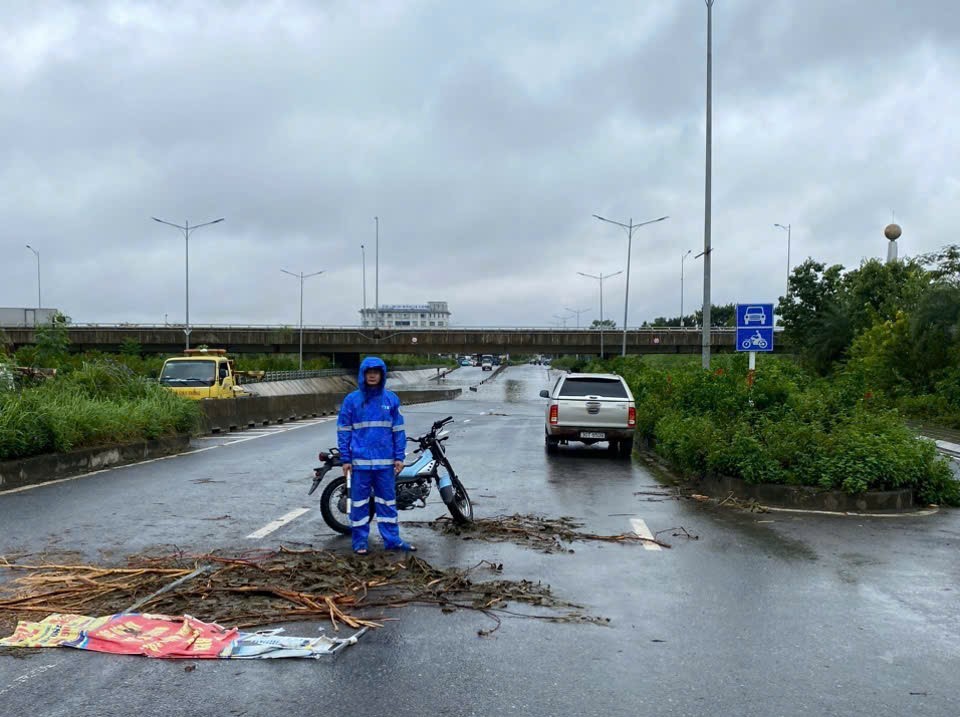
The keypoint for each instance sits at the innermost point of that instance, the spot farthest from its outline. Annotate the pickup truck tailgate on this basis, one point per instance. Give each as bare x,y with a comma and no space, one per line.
593,402
590,412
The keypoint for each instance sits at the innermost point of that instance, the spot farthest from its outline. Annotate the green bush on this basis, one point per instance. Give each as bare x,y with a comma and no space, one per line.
98,404
788,427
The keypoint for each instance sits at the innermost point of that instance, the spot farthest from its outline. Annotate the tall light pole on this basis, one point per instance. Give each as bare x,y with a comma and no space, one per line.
186,229
682,259
376,289
626,296
600,278
577,312
301,276
564,319
705,336
363,255
37,254
787,229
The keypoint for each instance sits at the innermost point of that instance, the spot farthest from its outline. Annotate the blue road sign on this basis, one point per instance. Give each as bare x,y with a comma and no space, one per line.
755,327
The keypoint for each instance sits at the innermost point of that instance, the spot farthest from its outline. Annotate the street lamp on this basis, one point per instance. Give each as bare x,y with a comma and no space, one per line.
577,312
787,230
564,319
600,278
186,229
682,258
707,195
626,296
37,254
376,281
363,314
301,276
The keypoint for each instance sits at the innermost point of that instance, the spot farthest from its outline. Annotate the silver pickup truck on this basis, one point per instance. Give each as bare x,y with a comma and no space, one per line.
589,408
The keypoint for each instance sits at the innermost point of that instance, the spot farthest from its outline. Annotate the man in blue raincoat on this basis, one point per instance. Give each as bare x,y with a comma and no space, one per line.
372,445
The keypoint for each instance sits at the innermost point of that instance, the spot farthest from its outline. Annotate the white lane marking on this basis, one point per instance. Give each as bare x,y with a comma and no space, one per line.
278,523
641,529
468,420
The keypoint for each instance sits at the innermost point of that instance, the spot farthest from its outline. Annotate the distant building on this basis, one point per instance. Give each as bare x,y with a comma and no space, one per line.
432,315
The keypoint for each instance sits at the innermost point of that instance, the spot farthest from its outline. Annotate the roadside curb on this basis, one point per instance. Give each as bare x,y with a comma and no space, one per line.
54,466
496,372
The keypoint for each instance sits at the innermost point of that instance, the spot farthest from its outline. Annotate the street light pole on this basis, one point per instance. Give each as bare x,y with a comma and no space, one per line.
301,276
788,230
564,319
186,229
577,312
377,275
705,337
363,314
37,254
626,296
682,259
601,277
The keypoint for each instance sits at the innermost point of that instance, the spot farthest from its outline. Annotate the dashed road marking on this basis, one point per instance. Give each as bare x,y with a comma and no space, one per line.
278,523
641,529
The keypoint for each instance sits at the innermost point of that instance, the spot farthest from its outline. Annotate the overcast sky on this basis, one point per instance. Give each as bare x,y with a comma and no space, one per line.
484,135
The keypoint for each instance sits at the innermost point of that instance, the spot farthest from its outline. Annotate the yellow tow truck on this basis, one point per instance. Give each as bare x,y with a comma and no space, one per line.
204,373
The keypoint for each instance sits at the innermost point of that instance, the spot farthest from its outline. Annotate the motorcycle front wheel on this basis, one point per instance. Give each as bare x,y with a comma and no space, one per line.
333,506
460,507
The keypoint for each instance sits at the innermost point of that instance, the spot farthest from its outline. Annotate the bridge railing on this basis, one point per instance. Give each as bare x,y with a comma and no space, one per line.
405,329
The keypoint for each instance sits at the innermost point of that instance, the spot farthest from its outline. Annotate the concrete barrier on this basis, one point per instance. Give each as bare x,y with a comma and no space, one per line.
239,413
53,466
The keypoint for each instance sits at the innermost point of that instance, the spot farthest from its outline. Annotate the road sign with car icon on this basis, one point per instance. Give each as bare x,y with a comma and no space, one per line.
755,327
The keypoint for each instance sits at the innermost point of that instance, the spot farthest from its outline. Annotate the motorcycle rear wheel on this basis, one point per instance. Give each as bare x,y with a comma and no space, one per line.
460,507
333,497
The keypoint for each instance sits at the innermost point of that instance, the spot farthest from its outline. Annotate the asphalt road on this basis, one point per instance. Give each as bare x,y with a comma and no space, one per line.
764,614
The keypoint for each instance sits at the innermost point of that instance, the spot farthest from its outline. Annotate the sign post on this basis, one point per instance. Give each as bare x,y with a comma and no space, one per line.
754,332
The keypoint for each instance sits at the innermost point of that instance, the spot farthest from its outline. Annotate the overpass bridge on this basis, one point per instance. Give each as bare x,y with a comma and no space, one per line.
342,342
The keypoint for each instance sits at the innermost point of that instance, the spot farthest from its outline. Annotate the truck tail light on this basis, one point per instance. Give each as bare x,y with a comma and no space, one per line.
632,417
554,415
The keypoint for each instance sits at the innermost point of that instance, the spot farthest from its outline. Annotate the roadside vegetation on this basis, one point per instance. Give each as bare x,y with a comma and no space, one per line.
874,347
101,403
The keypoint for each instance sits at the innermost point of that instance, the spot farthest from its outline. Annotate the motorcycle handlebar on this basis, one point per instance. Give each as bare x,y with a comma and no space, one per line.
441,423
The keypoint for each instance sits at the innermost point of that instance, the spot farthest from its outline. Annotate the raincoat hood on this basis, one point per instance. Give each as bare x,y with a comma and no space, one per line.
376,363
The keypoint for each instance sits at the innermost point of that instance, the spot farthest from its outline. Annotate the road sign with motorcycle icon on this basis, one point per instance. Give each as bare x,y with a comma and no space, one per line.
755,327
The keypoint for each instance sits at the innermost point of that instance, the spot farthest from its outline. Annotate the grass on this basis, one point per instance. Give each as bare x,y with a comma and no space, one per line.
100,404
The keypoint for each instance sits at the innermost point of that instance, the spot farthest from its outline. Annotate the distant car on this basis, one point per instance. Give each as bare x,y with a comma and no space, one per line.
486,363
466,362
754,314
589,408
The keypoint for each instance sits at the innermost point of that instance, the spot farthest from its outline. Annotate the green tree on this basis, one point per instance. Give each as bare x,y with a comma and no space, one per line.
944,264
605,324
53,342
812,288
130,347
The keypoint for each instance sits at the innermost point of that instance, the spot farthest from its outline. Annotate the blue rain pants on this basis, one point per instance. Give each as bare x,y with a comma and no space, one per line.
379,486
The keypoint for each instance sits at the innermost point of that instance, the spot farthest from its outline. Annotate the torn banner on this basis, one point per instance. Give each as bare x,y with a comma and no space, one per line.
170,637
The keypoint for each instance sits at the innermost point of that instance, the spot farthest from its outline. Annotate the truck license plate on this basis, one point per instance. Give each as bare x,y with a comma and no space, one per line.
592,434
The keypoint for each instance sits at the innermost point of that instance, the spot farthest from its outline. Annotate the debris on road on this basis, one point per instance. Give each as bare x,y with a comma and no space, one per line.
269,587
547,534
167,637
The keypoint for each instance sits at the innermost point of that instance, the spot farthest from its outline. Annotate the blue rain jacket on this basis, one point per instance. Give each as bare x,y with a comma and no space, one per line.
370,431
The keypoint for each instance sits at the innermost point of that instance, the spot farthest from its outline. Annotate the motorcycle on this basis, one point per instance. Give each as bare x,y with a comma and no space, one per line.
430,465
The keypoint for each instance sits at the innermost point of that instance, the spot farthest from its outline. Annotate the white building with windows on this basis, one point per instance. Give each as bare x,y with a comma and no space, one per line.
432,315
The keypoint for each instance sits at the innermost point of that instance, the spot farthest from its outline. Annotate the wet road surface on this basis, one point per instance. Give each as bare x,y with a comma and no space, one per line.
763,614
